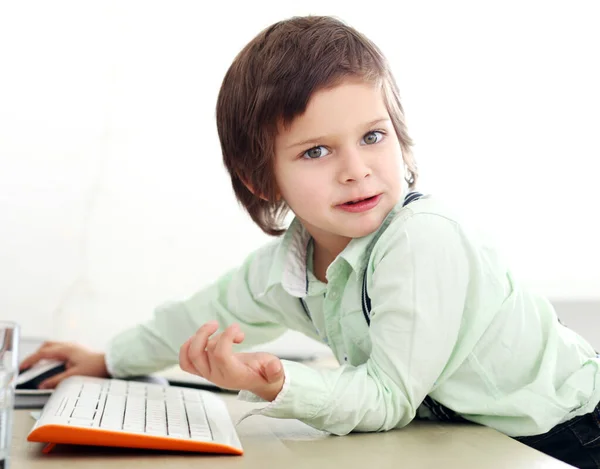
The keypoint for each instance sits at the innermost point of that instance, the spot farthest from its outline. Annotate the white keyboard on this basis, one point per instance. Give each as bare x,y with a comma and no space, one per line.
111,412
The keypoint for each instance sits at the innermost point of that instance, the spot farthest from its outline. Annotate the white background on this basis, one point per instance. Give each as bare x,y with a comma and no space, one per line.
113,198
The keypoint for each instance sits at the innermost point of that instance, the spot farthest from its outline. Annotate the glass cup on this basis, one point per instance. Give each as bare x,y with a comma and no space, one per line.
9,368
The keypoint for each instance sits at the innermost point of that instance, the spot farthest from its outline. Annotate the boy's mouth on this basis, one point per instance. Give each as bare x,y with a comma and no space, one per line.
360,205
356,201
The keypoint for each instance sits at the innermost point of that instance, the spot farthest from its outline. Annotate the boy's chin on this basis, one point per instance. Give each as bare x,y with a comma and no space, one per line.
362,231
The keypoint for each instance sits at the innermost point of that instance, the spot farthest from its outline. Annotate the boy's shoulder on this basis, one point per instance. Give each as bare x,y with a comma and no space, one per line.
427,209
428,217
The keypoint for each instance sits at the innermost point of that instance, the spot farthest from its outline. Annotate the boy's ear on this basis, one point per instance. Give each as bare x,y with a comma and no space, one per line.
251,189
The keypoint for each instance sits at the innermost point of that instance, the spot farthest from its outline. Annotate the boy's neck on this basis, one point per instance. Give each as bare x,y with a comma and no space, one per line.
326,247
324,254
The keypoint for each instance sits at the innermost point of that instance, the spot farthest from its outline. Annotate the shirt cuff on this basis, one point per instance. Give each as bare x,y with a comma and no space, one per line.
108,362
302,396
111,360
251,397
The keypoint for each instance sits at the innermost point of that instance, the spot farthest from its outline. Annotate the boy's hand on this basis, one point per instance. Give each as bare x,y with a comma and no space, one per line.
213,359
78,361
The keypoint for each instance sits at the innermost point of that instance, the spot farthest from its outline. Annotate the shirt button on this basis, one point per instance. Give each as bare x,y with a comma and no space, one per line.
334,294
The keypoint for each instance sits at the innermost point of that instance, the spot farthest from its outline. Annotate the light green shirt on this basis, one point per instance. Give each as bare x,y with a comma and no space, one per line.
448,319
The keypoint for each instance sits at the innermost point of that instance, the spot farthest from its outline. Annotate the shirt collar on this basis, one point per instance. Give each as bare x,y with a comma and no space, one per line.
289,266
358,251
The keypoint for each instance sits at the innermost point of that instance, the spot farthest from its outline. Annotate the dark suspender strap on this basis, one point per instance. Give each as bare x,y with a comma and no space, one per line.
366,301
411,197
305,308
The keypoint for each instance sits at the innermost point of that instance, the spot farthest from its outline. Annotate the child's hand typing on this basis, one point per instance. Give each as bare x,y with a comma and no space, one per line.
213,359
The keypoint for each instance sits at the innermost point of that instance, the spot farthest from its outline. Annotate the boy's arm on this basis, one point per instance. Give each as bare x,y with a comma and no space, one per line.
155,345
418,295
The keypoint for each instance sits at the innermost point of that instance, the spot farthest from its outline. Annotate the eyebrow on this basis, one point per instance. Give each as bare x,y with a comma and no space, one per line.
317,139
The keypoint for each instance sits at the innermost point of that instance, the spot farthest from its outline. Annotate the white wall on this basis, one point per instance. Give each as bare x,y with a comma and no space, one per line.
113,198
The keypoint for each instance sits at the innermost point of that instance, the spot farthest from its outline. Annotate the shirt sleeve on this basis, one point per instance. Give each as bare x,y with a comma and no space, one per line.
155,345
418,292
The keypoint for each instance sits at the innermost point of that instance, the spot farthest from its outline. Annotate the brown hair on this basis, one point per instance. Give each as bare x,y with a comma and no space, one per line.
271,81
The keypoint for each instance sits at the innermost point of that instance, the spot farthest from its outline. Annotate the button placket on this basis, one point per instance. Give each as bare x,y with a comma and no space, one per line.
337,276
331,319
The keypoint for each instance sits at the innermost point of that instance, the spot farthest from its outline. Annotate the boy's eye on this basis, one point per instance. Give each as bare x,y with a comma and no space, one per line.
316,152
373,137
320,151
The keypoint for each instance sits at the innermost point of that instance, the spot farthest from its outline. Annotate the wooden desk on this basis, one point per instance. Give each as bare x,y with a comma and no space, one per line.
289,444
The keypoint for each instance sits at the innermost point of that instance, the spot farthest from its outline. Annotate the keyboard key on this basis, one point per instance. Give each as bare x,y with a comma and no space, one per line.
116,402
118,387
195,413
62,406
83,413
111,424
90,391
134,428
200,436
87,403
156,427
178,427
154,393
191,395
80,422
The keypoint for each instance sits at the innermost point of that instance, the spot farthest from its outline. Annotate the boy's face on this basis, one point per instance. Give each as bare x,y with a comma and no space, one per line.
343,149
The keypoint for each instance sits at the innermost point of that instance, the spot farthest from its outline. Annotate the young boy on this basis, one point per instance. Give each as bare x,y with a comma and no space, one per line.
423,316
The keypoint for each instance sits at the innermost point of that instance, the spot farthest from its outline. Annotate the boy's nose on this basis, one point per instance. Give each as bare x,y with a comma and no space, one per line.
353,167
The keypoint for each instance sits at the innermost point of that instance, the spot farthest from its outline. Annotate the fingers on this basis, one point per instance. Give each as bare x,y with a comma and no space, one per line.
196,349
52,382
214,340
29,361
184,362
47,351
273,370
212,343
222,351
201,352
239,337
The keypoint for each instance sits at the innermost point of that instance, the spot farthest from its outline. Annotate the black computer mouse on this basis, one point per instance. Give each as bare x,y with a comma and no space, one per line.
32,377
